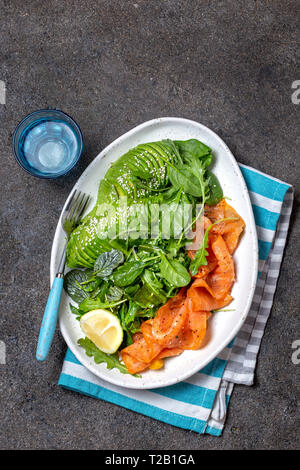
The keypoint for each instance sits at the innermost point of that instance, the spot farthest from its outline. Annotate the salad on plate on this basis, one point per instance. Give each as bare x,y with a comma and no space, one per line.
153,260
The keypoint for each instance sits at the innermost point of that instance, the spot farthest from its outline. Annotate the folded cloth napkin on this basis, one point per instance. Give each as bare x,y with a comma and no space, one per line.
200,403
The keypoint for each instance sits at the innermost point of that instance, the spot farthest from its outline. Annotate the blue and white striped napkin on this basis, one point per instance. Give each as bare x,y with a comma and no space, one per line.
200,402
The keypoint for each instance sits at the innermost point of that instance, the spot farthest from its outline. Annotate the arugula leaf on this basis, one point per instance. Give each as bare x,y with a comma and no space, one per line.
198,169
107,262
131,290
151,293
112,360
201,254
174,272
173,247
133,309
149,278
102,291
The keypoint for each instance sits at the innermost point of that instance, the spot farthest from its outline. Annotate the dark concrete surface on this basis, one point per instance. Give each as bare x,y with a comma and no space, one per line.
112,65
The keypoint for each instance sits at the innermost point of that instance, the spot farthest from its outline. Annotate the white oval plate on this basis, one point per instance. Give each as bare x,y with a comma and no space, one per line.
223,326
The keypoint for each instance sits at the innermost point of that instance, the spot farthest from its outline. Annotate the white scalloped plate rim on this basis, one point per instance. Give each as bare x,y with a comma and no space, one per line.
223,326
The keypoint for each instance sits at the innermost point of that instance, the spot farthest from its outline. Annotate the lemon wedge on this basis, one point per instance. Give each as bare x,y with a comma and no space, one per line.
104,329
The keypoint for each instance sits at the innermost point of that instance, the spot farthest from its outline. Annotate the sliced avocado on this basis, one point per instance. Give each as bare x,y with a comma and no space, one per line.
74,259
82,256
138,166
146,161
160,162
152,158
80,237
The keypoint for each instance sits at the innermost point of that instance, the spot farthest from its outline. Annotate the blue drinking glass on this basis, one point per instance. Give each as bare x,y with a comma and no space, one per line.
47,143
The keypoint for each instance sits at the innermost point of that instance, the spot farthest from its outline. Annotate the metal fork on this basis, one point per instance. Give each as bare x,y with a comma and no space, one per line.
70,218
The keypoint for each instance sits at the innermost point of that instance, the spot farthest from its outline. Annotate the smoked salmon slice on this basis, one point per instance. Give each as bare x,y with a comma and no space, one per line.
170,352
229,229
222,277
195,328
134,366
140,354
204,298
170,319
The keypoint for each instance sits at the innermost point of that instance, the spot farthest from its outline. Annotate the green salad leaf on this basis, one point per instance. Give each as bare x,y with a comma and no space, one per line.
130,315
174,272
107,262
200,256
183,177
127,273
76,311
78,285
114,294
151,293
111,360
192,148
89,304
215,190
147,297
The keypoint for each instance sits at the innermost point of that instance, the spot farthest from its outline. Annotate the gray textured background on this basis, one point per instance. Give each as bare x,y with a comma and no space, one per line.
112,65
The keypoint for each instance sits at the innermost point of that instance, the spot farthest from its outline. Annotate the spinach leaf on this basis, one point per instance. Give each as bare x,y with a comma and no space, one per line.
150,278
107,262
127,273
93,304
174,272
73,284
215,191
182,177
206,160
192,148
112,360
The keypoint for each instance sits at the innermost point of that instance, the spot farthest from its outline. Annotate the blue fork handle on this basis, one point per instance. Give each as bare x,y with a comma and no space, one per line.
49,319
